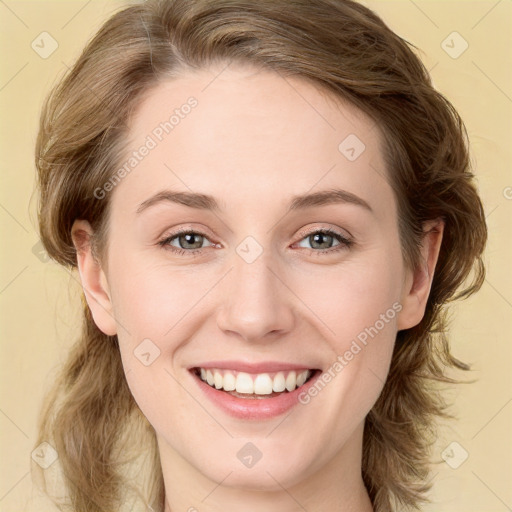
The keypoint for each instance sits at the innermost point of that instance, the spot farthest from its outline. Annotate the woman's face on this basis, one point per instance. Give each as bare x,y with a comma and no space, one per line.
253,288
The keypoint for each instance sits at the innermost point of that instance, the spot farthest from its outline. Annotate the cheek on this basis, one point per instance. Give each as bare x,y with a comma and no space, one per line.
151,302
357,311
351,298
159,309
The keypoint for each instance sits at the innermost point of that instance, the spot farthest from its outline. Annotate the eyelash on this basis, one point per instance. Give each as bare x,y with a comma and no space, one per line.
345,243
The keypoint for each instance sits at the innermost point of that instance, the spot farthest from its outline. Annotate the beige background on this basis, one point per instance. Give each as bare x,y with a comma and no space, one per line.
39,300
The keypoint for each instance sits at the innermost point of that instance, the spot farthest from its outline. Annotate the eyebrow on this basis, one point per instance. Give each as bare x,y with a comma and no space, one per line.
300,202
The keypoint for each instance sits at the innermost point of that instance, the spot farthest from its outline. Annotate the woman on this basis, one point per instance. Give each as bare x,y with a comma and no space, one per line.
254,369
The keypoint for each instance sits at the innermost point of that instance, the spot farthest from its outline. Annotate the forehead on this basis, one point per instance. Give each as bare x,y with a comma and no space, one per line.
249,135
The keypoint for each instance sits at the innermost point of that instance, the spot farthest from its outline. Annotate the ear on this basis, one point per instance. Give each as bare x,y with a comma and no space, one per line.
417,282
93,279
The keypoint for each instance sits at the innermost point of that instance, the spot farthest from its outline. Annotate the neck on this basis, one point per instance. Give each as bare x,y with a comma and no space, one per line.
335,487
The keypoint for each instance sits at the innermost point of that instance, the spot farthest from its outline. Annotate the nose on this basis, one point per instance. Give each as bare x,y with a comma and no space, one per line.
256,303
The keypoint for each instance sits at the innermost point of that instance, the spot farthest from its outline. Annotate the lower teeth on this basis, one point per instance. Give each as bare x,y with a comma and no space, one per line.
253,396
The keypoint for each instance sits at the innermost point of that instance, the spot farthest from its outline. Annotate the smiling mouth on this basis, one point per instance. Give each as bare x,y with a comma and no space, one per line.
254,386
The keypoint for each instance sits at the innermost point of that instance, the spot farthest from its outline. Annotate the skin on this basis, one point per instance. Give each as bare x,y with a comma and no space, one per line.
255,140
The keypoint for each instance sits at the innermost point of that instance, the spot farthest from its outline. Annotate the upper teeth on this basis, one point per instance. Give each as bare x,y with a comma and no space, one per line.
260,384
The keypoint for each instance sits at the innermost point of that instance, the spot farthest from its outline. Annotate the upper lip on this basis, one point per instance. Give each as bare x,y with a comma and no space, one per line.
262,367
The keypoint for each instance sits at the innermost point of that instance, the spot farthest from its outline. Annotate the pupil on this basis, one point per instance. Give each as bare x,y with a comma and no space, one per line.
189,237
321,236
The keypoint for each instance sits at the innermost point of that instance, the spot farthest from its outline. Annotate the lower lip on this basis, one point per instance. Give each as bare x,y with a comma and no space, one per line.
254,408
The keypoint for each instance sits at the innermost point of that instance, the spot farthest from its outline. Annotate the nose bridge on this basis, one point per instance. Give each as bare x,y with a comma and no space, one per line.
255,301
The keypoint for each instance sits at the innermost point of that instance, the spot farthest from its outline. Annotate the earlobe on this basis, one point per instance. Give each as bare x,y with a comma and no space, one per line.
93,279
419,281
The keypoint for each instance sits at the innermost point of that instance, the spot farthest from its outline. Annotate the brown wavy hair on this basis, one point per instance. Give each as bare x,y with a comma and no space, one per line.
341,47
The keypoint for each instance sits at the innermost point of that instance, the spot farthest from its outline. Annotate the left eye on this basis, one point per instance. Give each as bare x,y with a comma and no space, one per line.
324,236
186,240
